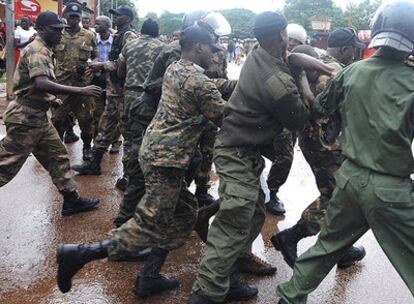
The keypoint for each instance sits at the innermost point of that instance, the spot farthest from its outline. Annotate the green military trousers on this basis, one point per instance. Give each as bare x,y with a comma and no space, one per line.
140,116
237,223
164,218
363,200
44,142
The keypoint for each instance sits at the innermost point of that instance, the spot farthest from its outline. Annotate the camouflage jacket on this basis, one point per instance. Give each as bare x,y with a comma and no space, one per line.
113,85
189,100
36,59
136,60
72,55
172,53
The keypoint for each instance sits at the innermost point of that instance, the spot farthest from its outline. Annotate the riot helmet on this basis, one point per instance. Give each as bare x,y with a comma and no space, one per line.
213,21
393,26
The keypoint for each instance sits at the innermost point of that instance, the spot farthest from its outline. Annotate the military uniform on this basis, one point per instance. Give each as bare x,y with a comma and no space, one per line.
72,56
324,159
373,186
142,112
135,62
166,214
28,127
112,118
265,100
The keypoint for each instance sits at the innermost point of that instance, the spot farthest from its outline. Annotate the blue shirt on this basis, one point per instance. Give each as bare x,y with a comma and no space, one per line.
104,47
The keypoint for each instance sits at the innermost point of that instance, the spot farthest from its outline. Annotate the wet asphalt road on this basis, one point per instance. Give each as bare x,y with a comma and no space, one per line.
31,229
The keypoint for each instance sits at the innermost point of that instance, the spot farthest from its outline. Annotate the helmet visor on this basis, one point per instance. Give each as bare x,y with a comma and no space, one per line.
392,40
217,23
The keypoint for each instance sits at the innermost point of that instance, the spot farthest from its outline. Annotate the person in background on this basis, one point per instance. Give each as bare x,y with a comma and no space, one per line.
23,35
104,40
86,22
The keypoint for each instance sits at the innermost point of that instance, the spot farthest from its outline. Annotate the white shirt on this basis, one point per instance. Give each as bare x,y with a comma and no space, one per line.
24,35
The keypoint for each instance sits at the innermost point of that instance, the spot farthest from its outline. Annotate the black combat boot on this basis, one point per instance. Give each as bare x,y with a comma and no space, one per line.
252,264
287,240
204,215
91,167
353,255
87,152
275,205
72,257
240,291
150,281
203,197
73,203
70,136
122,183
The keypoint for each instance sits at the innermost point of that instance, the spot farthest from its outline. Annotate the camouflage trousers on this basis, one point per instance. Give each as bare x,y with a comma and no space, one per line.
131,98
284,144
323,164
81,107
164,218
140,117
46,146
206,144
110,123
98,109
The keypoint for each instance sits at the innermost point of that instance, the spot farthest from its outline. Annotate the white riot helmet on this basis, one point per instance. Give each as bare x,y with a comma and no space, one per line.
297,32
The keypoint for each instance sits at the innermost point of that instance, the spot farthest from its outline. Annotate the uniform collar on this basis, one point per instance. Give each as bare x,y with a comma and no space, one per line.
41,41
99,39
190,63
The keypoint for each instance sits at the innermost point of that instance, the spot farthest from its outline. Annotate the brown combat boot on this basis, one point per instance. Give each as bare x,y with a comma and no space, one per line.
252,264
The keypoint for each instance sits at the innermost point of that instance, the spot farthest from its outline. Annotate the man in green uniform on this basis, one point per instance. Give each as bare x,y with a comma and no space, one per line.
324,157
284,143
27,125
114,108
78,45
135,62
166,214
373,185
265,101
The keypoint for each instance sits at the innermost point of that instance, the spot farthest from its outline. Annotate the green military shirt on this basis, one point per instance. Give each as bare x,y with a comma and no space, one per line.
264,101
73,52
376,101
136,60
172,53
189,100
37,59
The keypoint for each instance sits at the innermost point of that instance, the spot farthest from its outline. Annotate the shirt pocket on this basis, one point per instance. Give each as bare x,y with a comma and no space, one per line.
85,52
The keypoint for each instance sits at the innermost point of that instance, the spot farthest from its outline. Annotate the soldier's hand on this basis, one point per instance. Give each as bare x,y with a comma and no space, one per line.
91,90
56,103
94,68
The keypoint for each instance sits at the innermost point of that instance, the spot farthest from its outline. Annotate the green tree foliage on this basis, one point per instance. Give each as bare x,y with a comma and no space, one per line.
302,12
169,22
241,21
359,15
106,6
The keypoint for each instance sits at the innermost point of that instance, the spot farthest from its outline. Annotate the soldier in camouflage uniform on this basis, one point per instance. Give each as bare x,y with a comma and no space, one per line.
166,214
27,125
72,53
135,62
113,114
321,150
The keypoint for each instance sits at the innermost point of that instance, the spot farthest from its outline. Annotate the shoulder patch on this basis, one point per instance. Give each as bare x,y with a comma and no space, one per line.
410,62
280,84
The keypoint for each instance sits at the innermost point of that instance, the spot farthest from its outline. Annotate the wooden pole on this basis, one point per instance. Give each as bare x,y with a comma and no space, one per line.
60,7
10,64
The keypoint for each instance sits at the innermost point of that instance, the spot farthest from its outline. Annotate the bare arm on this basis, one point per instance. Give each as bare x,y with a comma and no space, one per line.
44,84
301,62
